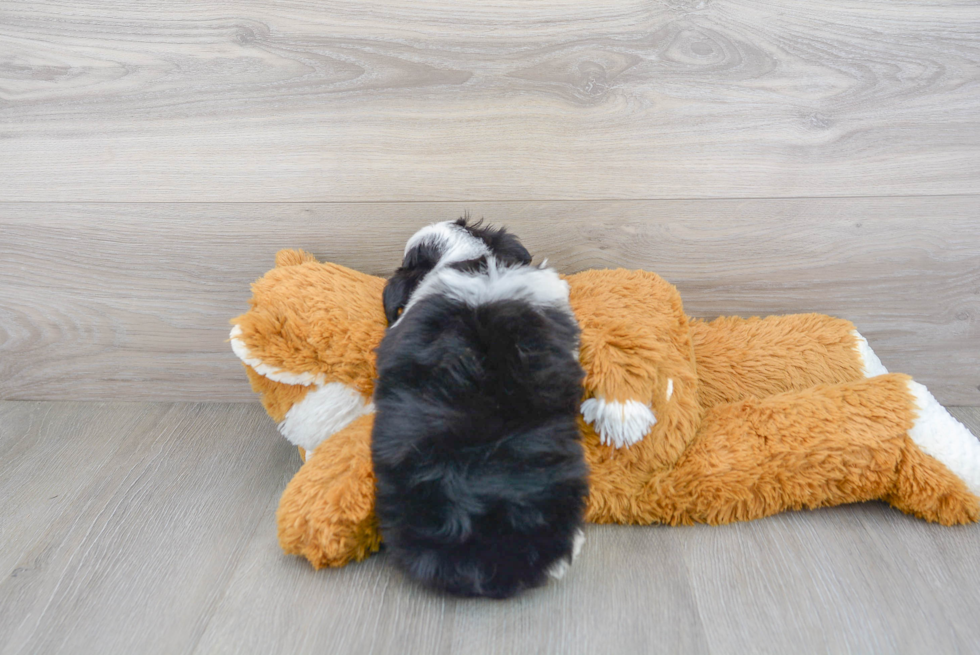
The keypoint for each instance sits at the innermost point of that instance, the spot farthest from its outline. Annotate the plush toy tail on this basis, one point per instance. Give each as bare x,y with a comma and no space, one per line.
883,438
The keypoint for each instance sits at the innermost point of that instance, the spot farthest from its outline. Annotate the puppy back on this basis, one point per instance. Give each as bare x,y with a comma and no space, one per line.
482,480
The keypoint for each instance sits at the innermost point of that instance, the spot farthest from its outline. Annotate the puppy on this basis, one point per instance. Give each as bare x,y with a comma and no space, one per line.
481,478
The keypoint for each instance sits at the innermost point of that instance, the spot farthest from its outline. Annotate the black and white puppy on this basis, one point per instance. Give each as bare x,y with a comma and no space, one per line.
481,476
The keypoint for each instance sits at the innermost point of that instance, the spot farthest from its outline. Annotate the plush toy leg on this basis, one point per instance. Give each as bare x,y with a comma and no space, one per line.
636,350
738,357
877,438
326,513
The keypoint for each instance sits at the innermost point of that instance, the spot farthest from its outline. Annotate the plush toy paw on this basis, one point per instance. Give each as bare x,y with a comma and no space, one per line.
327,511
618,424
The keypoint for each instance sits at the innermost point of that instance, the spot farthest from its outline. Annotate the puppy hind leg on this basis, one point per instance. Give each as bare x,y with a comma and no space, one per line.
560,568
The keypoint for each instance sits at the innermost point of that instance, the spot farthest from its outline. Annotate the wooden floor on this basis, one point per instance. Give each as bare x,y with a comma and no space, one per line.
149,528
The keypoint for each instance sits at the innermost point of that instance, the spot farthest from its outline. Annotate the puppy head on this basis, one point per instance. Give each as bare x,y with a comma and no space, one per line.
456,243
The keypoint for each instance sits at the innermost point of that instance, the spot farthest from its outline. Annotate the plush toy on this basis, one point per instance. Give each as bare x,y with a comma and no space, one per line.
683,421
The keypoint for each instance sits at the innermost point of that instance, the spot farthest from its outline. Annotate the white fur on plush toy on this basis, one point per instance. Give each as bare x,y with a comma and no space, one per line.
619,424
276,375
870,363
935,430
322,412
938,434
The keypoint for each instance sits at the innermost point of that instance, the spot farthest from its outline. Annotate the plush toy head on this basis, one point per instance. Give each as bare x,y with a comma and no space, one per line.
308,345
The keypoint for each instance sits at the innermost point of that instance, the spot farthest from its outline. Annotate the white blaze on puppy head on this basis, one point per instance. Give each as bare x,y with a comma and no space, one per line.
539,286
454,242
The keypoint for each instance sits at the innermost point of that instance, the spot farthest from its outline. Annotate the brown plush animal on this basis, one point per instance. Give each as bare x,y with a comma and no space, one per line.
684,421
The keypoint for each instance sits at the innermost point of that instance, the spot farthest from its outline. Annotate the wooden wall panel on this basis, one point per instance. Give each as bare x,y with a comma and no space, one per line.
427,100
132,301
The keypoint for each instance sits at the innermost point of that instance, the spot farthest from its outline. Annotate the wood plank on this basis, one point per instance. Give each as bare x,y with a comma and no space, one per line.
280,604
968,416
139,557
49,458
628,593
131,301
858,579
447,99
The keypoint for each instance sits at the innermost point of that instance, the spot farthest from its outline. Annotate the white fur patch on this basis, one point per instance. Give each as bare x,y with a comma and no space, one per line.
869,360
560,568
940,435
276,375
322,412
538,286
577,543
670,388
619,424
455,243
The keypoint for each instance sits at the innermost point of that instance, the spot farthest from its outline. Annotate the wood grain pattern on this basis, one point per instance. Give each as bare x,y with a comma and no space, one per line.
827,582
161,539
135,558
448,100
132,301
48,459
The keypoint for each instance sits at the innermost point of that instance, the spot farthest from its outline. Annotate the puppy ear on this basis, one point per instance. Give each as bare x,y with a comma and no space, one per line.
509,249
423,256
417,263
506,247
396,293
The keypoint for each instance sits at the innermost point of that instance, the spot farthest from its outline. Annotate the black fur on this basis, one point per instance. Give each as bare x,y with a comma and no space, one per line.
418,262
478,265
481,476
506,247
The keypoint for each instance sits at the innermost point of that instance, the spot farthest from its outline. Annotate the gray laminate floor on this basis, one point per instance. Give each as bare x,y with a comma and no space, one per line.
149,528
